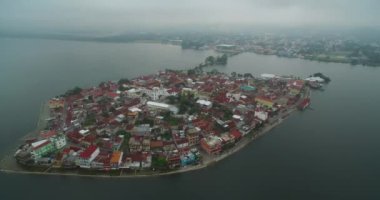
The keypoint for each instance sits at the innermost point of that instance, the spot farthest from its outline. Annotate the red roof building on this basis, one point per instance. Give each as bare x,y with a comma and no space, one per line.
91,151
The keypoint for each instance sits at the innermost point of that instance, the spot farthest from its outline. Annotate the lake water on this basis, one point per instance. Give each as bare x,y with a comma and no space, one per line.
329,152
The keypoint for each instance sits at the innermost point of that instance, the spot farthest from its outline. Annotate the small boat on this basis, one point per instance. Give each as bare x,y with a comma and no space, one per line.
314,85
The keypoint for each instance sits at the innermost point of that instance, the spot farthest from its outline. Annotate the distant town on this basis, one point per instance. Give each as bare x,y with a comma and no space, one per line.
354,49
171,121
325,48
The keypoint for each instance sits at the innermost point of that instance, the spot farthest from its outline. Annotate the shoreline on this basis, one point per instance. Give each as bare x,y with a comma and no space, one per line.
239,146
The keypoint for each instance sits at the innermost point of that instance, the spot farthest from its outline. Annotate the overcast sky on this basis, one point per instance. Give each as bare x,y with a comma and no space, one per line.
127,15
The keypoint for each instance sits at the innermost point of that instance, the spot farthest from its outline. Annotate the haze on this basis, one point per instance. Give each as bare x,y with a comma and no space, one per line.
136,15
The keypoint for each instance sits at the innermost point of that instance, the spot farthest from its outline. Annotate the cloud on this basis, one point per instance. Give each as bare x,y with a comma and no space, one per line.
124,15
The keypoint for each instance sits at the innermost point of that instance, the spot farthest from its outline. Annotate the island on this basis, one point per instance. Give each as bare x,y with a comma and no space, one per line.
169,122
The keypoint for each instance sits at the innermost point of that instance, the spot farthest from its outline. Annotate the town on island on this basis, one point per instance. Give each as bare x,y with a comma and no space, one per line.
169,122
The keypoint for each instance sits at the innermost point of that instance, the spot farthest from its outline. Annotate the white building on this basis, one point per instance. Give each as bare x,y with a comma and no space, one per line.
161,106
155,93
205,103
262,115
59,141
268,76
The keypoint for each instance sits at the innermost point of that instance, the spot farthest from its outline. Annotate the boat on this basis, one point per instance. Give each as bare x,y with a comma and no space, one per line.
304,104
314,84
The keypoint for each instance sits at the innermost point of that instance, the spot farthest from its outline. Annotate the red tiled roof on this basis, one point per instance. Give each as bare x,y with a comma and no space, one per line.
41,145
48,134
88,152
236,133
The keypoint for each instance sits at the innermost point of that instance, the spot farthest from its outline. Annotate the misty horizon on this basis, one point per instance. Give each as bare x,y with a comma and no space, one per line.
115,17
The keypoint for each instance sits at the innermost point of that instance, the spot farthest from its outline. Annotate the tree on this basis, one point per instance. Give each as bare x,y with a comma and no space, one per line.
123,81
75,91
210,60
222,60
248,75
214,72
159,162
233,74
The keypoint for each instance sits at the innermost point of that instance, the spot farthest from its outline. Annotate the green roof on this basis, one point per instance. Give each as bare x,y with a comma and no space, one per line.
247,88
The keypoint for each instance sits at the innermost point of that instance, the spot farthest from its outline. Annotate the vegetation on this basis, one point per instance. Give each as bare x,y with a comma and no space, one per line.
90,120
123,81
219,60
75,91
173,121
159,163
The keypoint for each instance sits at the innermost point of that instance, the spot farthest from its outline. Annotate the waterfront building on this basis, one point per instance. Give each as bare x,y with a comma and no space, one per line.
135,144
146,144
59,141
87,156
261,115
42,148
193,136
212,145
116,159
188,158
56,103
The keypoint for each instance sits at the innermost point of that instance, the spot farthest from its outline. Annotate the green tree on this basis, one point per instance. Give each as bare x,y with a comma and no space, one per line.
210,60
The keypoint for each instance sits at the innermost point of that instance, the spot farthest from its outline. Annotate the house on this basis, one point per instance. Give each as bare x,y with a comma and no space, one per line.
116,159
56,103
146,144
174,160
212,144
42,148
204,103
188,158
59,141
193,136
161,106
264,101
87,156
156,144
261,115
236,134
146,161
135,144
182,143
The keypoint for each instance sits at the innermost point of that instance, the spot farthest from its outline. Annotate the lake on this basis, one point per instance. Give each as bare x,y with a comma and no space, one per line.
331,151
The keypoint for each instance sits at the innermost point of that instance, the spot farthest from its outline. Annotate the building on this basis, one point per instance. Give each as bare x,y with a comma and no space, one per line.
146,144
193,136
188,158
261,115
212,145
116,159
135,144
204,103
87,156
226,48
56,103
267,76
236,134
155,93
264,101
59,141
42,148
162,106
